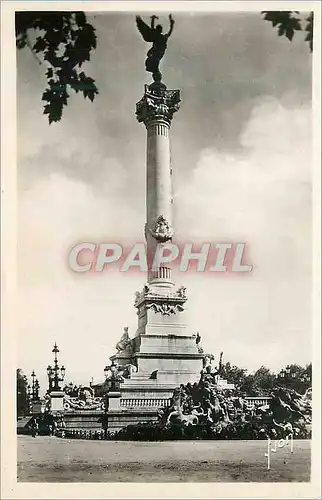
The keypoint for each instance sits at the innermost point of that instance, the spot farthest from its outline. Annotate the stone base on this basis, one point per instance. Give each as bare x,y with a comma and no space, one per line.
114,400
113,420
84,420
116,420
57,401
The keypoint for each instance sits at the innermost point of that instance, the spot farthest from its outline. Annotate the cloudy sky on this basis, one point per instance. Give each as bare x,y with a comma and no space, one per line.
241,153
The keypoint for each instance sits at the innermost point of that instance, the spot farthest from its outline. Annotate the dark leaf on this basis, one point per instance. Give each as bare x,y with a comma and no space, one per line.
285,21
309,30
80,18
40,44
49,72
66,44
289,33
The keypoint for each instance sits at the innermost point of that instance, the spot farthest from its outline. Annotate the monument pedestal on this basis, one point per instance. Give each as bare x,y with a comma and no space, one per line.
57,401
113,400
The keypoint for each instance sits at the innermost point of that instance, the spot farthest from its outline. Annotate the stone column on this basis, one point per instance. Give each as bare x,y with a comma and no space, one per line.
156,110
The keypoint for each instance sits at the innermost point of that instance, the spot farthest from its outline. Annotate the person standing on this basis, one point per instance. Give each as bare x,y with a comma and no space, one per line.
34,428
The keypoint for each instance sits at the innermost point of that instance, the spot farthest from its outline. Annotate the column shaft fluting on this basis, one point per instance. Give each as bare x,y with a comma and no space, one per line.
155,110
158,173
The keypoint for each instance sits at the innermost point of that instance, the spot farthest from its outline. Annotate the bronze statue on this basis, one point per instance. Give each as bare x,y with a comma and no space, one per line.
154,35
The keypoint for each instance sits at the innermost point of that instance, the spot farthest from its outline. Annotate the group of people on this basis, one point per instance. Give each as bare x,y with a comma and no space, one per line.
48,424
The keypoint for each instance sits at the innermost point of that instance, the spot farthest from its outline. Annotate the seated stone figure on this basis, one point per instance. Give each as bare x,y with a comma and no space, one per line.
125,341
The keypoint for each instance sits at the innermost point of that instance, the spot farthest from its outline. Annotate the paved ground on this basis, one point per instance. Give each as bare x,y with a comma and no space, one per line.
50,459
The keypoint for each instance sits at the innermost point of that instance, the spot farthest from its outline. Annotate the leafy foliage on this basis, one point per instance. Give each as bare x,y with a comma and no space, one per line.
260,383
22,394
233,374
288,22
298,378
64,41
309,30
263,380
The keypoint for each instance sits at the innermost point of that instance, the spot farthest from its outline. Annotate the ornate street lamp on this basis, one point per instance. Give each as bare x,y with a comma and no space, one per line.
112,376
33,393
108,376
37,387
29,398
55,374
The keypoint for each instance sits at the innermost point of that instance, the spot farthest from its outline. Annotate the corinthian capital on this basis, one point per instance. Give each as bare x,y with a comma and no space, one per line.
158,103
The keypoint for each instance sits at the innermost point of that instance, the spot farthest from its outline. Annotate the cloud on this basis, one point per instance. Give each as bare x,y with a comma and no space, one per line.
260,194
85,315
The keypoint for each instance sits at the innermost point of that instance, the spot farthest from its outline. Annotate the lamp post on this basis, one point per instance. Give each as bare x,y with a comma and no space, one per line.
113,380
29,398
37,387
33,394
107,370
55,374
33,377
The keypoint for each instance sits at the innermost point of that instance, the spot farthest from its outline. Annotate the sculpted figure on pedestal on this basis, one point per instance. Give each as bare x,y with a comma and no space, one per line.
176,410
85,400
125,341
181,292
154,35
137,298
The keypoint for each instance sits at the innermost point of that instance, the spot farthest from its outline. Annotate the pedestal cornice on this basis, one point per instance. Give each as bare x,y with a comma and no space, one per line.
164,303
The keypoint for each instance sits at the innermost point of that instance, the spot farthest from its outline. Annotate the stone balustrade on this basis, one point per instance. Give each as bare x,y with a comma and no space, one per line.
162,402
144,403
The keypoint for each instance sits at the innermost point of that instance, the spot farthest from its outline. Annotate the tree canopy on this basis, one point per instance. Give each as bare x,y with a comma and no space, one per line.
62,41
288,22
22,394
263,380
